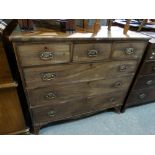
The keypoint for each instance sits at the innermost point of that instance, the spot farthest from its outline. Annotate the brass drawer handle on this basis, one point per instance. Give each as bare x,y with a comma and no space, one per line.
123,68
51,113
153,68
153,50
48,76
117,84
142,96
50,96
46,54
150,82
129,51
112,99
92,53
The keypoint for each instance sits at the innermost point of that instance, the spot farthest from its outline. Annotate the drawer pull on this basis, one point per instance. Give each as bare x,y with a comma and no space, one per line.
150,82
122,68
129,51
112,99
153,50
51,113
46,54
50,96
142,96
117,84
48,76
153,68
92,53
153,53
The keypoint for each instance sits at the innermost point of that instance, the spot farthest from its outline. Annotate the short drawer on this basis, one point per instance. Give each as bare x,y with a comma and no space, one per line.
74,108
150,52
91,51
63,93
76,73
141,96
145,82
148,68
40,54
128,50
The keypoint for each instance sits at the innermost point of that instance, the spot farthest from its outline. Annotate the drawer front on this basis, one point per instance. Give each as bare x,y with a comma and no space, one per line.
150,52
106,100
40,54
75,73
141,96
145,82
54,94
148,68
63,93
106,86
58,112
128,50
76,107
91,51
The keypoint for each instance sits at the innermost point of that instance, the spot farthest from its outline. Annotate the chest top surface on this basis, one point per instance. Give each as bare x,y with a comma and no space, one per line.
44,34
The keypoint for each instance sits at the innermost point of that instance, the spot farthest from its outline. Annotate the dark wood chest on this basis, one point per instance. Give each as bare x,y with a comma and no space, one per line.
143,89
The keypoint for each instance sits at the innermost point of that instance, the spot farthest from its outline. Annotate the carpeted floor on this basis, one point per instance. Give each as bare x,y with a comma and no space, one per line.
135,121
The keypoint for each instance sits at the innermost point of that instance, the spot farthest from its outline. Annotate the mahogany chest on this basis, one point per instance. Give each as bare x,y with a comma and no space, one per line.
11,115
67,76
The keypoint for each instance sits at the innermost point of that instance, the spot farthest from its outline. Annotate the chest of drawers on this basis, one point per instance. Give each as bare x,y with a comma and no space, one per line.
144,84
69,76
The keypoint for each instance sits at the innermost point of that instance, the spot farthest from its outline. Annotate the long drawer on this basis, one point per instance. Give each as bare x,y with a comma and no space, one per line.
128,50
75,73
41,54
141,96
60,94
77,107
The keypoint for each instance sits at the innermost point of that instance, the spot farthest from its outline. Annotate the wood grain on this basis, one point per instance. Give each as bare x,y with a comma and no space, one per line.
147,67
64,93
142,90
141,96
30,53
5,74
75,73
144,82
91,72
119,50
77,107
48,34
82,52
8,85
11,116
